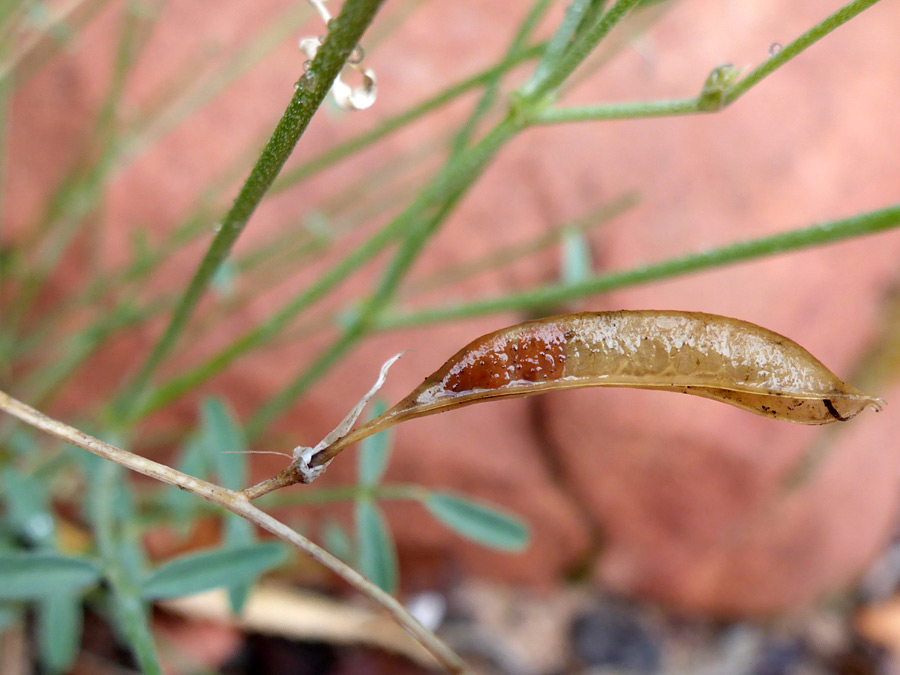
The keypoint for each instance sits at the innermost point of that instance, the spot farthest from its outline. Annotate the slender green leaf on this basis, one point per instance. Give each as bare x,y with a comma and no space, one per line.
238,595
59,631
561,39
225,443
485,524
377,555
122,556
27,576
336,541
27,506
576,265
133,625
223,279
22,442
816,235
239,533
212,569
375,451
182,505
224,440
129,550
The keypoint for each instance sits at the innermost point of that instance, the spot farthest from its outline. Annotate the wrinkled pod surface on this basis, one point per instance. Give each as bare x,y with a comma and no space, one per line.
707,355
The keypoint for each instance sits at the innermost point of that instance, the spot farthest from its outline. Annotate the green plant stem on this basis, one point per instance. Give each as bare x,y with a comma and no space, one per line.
467,270
236,503
343,36
448,95
491,89
41,45
173,110
619,111
791,50
45,385
264,332
557,45
509,254
579,50
83,188
816,235
690,106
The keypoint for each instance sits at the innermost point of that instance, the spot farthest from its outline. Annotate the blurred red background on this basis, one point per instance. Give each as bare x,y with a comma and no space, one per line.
674,499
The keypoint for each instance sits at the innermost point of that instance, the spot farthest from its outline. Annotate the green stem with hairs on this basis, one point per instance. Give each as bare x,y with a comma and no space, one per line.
816,235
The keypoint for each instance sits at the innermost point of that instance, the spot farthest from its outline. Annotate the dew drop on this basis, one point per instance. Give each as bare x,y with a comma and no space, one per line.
356,56
774,48
217,227
307,65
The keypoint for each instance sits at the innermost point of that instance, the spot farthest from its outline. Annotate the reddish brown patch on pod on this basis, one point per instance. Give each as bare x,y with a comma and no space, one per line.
503,360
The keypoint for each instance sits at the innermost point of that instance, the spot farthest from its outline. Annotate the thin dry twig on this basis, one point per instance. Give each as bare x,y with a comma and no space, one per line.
237,503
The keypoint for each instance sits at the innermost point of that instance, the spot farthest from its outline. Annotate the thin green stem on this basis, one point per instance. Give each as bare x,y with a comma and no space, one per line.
489,95
557,45
173,110
816,235
618,111
350,336
579,50
508,254
788,52
703,104
43,385
43,44
261,334
344,34
490,261
82,190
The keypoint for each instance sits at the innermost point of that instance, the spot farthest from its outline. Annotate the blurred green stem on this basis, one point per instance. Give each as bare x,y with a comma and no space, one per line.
816,235
492,88
80,192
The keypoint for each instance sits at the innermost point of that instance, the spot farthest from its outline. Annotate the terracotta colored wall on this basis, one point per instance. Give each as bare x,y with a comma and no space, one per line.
678,496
